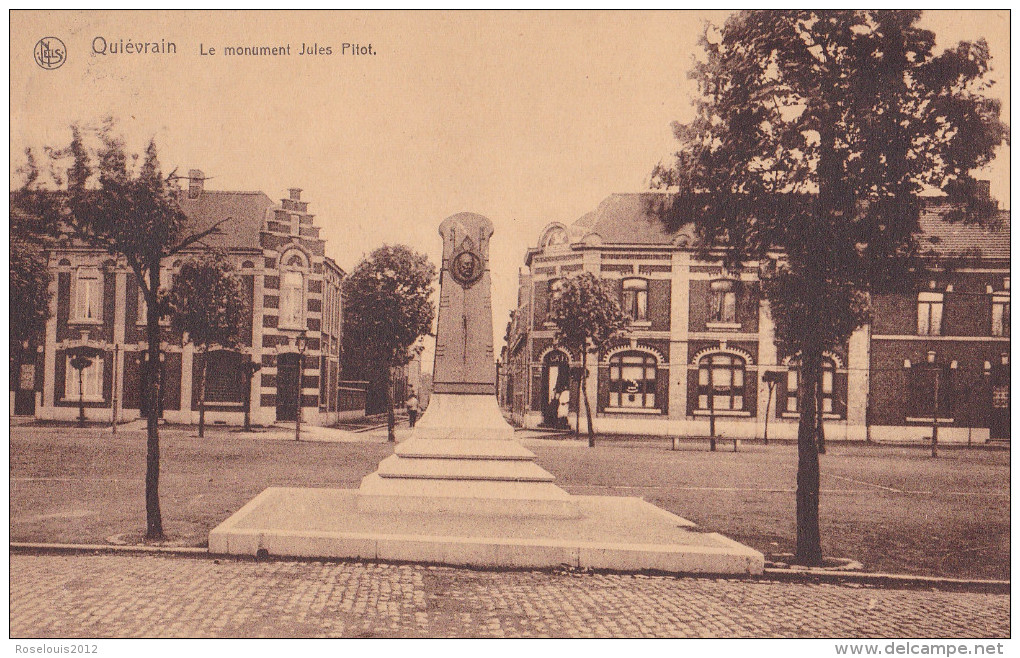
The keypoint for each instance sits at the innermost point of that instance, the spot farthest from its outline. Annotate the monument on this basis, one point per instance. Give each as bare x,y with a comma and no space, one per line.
461,456
461,490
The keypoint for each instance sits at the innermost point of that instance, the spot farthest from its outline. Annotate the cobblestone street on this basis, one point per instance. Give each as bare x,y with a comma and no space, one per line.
157,596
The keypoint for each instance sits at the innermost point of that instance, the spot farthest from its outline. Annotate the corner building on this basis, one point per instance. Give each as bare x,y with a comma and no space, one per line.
702,338
290,289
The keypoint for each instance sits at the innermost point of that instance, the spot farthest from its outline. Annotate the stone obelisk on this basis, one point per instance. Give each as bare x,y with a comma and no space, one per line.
462,456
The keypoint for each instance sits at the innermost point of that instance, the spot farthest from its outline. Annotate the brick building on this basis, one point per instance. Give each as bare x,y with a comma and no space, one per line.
701,338
290,287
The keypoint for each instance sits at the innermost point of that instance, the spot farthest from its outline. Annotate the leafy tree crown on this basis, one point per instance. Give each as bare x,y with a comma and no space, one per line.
587,316
387,304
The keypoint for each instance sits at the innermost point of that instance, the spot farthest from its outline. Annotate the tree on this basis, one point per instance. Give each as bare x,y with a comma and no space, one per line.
387,309
32,227
814,133
588,319
206,304
132,213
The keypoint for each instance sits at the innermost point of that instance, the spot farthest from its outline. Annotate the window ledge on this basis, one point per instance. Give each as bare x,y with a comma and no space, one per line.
88,322
292,327
929,421
640,324
825,416
549,325
722,412
631,410
723,326
87,398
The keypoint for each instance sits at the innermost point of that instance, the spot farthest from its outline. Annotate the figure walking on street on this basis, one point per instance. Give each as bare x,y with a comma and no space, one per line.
412,408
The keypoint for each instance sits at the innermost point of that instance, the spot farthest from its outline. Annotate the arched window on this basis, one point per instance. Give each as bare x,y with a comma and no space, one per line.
292,299
828,378
292,291
556,237
721,382
632,378
634,302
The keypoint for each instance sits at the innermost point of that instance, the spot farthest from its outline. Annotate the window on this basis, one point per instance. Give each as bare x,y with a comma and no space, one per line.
295,224
556,237
632,380
1000,315
828,387
555,290
721,382
292,299
929,314
635,299
91,381
143,306
88,295
724,301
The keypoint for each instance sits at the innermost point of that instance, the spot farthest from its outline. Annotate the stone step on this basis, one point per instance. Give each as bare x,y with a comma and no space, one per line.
463,469
463,449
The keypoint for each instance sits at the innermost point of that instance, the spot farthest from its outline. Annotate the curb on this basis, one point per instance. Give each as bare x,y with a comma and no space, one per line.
820,576
39,547
891,580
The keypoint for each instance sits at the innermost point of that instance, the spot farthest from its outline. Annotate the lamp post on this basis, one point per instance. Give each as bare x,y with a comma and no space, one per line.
301,343
771,377
248,369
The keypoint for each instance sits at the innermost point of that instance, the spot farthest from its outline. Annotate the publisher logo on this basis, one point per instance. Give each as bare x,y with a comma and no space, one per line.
50,53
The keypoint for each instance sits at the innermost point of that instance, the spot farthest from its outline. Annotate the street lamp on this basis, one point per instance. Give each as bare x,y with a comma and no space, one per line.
301,343
772,378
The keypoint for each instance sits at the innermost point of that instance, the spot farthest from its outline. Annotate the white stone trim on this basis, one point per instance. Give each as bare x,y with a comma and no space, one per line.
634,347
748,359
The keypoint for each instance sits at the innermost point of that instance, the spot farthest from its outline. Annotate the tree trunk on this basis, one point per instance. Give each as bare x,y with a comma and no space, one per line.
391,421
587,404
249,375
81,397
809,542
819,413
150,386
201,395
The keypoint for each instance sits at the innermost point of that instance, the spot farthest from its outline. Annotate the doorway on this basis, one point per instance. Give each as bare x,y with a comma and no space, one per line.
287,387
555,378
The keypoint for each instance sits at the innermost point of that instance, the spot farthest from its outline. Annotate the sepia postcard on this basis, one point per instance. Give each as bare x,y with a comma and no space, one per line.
510,324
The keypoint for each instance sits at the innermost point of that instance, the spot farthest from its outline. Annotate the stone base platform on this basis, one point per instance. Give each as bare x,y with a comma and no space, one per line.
616,533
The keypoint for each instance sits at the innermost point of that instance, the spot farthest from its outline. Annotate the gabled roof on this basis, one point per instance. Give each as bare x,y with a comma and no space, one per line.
629,218
633,219
245,213
959,240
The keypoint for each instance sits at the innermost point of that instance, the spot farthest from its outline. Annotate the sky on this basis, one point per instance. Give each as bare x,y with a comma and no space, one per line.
525,117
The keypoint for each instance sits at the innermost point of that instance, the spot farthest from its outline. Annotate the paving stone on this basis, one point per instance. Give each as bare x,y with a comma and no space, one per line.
164,596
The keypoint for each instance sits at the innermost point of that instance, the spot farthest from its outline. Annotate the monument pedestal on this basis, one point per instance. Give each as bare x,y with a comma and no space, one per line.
462,459
461,490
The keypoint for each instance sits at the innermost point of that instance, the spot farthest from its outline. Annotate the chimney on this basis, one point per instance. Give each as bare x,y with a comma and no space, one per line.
196,179
295,194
